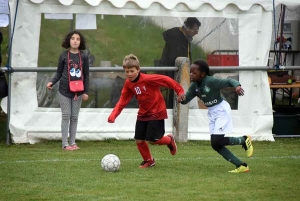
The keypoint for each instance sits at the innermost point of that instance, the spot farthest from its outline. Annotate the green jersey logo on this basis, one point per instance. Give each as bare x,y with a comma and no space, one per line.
206,89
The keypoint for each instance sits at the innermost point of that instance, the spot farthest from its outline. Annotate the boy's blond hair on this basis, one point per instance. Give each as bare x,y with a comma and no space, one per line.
131,61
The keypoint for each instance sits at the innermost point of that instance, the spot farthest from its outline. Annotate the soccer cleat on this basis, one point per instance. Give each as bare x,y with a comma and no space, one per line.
147,163
240,169
75,147
68,148
248,146
172,146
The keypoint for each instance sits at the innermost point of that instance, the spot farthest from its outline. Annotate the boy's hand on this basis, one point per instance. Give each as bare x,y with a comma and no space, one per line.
110,120
181,98
239,91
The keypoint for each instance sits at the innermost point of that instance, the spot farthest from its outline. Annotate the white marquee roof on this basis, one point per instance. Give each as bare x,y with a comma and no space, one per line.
193,5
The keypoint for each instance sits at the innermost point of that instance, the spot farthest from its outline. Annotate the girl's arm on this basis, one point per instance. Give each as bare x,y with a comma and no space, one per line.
86,73
59,71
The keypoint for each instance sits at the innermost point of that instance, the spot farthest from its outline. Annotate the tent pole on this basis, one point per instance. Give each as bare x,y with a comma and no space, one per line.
9,71
281,34
8,139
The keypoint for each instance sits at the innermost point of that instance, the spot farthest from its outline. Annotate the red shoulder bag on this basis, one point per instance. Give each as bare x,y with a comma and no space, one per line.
76,85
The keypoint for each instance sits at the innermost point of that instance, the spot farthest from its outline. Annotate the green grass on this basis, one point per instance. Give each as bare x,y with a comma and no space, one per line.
44,172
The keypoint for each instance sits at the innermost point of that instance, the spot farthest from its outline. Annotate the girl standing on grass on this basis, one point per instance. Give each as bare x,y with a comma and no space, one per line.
207,88
72,64
150,123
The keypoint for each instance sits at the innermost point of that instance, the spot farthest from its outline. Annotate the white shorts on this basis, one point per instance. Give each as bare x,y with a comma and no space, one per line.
220,121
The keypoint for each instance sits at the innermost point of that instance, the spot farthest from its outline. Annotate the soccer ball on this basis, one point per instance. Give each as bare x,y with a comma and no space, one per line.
110,163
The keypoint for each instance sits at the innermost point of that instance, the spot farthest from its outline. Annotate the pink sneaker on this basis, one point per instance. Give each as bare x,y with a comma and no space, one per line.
75,147
68,148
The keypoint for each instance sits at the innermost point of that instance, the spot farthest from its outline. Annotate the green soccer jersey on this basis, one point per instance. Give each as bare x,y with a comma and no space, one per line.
208,90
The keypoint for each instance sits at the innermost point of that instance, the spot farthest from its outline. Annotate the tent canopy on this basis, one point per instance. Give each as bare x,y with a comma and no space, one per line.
254,116
191,5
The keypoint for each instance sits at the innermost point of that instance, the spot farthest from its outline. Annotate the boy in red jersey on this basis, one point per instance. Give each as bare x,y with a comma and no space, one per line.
150,123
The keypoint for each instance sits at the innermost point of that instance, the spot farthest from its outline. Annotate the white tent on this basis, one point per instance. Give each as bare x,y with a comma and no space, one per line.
29,123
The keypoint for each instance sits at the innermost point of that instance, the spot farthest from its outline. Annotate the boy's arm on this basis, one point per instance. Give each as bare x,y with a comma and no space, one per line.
190,94
125,97
222,83
165,81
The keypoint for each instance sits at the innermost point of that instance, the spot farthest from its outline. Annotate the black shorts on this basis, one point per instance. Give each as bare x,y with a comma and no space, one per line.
149,130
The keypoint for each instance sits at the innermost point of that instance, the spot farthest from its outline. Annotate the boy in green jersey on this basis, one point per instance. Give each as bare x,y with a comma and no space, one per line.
207,88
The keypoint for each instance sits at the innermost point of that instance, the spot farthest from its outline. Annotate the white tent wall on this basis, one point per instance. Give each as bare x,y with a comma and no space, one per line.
24,54
31,124
253,51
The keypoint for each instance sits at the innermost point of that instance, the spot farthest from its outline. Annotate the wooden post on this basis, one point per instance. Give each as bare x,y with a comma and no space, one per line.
181,112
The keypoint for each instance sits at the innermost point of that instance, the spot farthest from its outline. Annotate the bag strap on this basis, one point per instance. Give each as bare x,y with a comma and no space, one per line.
80,66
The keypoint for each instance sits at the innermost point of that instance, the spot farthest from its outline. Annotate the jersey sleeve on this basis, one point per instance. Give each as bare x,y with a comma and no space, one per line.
125,97
165,81
222,83
190,94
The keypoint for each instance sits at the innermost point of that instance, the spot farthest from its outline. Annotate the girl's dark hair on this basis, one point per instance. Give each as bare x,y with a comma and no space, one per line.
203,66
66,42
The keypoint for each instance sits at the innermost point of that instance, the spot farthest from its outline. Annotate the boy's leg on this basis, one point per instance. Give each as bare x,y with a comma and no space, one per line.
155,135
168,140
142,145
235,140
248,146
245,141
218,143
144,150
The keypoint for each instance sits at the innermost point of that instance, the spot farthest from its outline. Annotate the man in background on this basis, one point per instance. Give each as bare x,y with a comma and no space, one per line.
178,41
1,40
3,82
178,44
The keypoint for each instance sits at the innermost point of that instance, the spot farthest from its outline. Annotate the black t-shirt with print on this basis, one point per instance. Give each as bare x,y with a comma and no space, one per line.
62,73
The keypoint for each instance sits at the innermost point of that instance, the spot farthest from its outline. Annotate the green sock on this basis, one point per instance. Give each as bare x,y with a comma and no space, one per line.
230,157
236,140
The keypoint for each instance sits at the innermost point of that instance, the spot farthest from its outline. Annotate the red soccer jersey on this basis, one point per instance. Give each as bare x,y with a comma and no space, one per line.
152,105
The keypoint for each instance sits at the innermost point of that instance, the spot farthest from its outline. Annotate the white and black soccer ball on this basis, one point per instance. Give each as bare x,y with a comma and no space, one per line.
110,163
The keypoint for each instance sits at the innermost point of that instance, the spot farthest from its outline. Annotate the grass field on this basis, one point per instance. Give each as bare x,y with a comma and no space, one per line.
44,172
